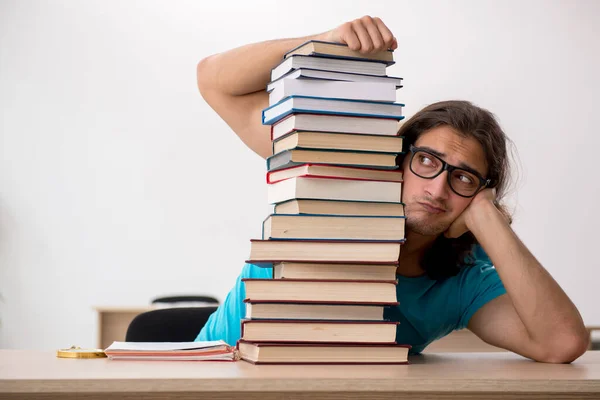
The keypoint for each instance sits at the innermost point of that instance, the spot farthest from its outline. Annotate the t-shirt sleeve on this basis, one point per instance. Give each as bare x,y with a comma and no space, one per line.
224,323
480,283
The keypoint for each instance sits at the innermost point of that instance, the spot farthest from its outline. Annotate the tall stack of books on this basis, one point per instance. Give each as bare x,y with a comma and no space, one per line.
334,238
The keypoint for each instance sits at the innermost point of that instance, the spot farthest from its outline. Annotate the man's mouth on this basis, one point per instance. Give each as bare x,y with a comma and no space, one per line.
431,208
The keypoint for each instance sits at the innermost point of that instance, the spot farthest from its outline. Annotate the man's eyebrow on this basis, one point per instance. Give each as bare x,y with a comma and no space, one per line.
443,155
432,151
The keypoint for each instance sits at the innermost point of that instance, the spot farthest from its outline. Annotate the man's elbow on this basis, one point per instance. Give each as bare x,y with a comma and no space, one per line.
203,74
567,349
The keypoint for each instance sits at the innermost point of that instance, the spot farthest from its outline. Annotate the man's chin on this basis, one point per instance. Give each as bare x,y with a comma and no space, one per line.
426,229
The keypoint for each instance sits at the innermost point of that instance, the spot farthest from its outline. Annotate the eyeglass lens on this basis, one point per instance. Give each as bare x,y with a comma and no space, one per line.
427,165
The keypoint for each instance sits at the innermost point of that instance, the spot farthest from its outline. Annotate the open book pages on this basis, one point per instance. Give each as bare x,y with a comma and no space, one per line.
199,351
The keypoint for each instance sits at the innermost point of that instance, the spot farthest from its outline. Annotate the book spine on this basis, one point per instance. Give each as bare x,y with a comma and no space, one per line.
278,160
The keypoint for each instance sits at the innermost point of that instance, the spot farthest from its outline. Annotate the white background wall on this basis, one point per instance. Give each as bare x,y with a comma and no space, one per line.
118,183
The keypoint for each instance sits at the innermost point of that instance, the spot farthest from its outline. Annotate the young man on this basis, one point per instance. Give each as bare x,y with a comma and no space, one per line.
455,174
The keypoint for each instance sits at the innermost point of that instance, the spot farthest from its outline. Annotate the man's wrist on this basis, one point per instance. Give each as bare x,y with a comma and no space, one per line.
482,216
323,37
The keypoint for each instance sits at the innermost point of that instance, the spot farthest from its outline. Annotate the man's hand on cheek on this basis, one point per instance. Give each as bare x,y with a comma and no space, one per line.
461,225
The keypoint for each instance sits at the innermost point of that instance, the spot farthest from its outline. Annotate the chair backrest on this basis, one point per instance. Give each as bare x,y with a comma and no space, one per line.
185,299
179,324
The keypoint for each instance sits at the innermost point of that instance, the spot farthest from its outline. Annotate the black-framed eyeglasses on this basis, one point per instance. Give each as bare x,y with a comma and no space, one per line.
464,182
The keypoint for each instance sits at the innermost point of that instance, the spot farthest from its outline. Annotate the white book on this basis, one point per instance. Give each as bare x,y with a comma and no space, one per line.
322,105
335,124
221,357
164,346
328,64
366,91
198,351
314,311
334,189
307,73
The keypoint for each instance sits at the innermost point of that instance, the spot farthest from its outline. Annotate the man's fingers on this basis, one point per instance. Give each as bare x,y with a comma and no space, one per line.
453,233
349,37
456,229
450,233
365,34
388,38
366,44
376,37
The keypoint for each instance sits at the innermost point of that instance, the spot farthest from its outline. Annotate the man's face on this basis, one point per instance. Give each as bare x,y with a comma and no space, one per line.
430,204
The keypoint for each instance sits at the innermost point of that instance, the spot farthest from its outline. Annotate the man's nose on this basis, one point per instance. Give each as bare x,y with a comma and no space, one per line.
438,186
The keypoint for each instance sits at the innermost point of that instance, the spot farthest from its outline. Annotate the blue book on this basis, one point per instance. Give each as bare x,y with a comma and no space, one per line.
331,106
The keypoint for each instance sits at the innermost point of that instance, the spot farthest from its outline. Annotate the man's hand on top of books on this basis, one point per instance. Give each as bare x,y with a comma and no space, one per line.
366,34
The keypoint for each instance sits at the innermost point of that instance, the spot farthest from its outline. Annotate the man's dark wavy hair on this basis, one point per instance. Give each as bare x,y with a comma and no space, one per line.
446,256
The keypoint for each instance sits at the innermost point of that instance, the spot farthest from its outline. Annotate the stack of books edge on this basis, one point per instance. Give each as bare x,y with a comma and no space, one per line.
335,234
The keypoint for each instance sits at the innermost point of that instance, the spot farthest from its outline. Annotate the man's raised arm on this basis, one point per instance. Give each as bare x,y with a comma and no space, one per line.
233,83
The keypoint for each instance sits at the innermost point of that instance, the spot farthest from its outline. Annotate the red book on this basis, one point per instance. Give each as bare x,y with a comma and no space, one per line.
307,331
320,188
334,172
331,251
335,311
321,291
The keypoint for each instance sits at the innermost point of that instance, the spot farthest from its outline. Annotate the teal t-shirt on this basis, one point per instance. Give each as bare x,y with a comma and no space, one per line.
429,309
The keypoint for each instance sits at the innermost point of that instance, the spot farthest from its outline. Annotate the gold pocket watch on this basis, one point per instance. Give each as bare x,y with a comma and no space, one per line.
78,352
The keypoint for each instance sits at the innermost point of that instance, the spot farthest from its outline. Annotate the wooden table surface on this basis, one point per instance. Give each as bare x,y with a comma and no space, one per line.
29,374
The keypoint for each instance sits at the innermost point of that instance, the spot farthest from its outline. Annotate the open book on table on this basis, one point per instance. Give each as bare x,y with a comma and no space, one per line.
172,351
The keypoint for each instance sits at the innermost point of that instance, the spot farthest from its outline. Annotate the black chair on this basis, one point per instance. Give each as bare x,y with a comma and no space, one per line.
185,299
179,324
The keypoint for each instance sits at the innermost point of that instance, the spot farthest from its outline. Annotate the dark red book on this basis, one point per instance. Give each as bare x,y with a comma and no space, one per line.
322,353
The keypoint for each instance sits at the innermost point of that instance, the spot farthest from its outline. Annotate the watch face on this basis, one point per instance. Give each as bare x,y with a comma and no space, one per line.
78,352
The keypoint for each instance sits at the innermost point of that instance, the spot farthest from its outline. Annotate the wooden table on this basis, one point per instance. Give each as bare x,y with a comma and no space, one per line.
33,374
